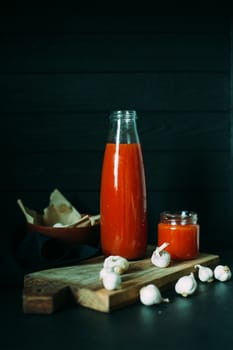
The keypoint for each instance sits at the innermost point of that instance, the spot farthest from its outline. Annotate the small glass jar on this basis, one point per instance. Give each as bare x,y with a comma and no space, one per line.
181,230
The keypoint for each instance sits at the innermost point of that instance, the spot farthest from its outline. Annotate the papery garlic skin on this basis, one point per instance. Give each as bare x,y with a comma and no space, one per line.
222,273
103,272
111,280
117,263
205,274
160,257
150,295
186,285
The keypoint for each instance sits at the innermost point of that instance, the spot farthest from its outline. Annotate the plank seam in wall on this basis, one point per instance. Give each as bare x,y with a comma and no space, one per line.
231,113
120,72
69,22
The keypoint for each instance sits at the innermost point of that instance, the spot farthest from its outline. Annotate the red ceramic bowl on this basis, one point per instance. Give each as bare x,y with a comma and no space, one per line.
76,235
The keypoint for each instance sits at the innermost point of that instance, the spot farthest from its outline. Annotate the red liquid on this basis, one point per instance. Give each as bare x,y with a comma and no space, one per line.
183,240
123,202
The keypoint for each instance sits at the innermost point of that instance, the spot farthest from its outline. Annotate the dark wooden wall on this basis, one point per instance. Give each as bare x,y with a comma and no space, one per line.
61,76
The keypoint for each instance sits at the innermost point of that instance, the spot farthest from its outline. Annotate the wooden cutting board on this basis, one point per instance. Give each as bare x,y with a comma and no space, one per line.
49,290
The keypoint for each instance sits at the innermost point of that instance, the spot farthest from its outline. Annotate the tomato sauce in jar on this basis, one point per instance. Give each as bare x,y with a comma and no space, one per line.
181,230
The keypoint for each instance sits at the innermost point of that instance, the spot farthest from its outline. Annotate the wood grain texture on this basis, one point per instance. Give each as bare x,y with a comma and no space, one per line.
105,52
164,171
108,91
158,131
45,291
66,21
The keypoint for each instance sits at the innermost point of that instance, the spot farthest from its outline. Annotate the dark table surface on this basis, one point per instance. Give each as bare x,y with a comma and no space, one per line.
203,320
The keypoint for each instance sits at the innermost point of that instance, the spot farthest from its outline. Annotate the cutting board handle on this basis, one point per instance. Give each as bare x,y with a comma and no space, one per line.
41,297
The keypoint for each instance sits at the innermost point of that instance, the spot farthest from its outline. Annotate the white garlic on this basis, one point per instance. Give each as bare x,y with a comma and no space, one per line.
150,295
186,285
205,274
222,273
160,257
117,263
103,272
111,280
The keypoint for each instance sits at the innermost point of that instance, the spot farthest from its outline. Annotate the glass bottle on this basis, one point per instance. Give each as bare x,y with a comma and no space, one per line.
123,200
181,230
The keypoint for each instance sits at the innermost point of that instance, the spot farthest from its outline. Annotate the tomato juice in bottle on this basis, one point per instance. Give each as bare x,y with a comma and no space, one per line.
123,202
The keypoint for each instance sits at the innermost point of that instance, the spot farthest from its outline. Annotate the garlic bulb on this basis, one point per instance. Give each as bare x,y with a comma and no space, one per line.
150,295
111,280
205,274
222,273
117,263
186,285
160,257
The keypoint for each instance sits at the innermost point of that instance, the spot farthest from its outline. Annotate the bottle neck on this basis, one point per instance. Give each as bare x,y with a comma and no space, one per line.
183,217
123,127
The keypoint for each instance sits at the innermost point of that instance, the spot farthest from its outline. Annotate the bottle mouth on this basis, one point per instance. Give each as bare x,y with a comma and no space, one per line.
182,217
124,114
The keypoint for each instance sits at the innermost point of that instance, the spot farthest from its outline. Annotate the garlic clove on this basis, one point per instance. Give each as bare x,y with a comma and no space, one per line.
103,272
150,295
205,274
111,280
222,273
116,263
186,285
160,257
